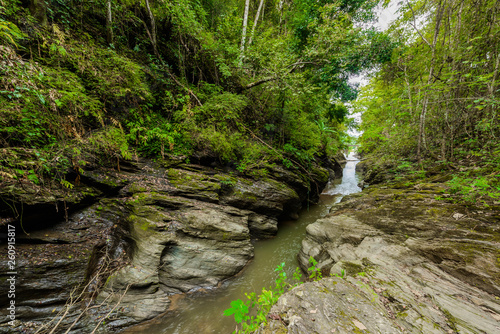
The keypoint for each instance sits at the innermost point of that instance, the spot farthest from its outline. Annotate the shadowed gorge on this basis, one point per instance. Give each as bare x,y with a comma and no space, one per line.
178,166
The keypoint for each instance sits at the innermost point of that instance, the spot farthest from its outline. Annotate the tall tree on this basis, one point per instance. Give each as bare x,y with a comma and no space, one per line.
255,21
244,29
421,131
109,23
440,90
152,33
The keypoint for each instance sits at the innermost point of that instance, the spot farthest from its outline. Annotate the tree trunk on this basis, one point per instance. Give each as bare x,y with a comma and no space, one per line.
255,21
245,23
280,7
109,24
153,29
455,79
38,10
492,84
421,128
408,86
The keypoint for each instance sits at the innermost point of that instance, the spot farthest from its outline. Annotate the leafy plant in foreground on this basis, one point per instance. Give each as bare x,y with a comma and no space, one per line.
250,314
316,274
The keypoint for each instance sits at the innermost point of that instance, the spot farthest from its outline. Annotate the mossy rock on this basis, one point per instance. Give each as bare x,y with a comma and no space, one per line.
183,179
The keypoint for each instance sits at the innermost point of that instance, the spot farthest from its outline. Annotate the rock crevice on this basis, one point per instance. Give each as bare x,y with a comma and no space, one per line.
153,231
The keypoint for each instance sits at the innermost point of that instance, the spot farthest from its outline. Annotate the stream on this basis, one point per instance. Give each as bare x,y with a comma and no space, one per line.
201,312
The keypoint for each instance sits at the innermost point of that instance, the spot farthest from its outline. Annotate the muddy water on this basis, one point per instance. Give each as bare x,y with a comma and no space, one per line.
201,312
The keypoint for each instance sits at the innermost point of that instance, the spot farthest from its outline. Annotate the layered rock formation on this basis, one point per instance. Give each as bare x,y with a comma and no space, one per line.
154,230
410,263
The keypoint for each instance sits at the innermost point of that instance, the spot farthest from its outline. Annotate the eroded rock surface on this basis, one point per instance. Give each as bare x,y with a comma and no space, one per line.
410,263
154,230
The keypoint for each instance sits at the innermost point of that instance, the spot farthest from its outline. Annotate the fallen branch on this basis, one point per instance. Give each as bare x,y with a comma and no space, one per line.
114,307
180,84
293,66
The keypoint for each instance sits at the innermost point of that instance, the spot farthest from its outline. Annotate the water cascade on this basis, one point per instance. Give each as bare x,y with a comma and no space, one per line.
201,311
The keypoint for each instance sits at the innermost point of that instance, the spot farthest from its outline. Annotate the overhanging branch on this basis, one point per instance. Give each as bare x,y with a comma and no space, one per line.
293,66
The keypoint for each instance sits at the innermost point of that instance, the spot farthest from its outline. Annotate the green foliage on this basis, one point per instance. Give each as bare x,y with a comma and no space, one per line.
239,309
342,274
67,184
223,111
437,99
337,112
474,188
185,84
9,33
112,141
325,32
438,95
154,136
250,314
223,144
315,272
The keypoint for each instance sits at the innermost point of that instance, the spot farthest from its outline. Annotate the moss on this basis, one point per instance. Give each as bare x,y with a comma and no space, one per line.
452,322
146,226
193,181
415,197
352,268
137,188
277,184
141,199
226,180
320,174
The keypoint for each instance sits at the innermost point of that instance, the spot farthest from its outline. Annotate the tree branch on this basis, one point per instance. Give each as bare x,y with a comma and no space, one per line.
260,82
293,66
414,25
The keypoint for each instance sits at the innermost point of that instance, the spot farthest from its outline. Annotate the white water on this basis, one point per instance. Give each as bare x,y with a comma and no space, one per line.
349,183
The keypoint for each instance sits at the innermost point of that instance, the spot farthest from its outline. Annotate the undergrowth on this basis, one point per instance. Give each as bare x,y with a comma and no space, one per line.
469,180
251,313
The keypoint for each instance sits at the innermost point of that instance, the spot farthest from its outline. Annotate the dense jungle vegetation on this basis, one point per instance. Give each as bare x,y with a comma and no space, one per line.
247,84
437,100
243,84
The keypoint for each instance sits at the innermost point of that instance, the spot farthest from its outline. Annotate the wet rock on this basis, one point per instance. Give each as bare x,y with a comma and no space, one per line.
43,286
432,272
337,165
262,227
317,179
331,305
385,296
267,197
40,208
177,245
164,229
362,166
194,185
373,172
52,271
189,229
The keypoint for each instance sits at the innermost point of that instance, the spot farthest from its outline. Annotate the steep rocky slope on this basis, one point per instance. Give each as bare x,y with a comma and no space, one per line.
142,235
410,262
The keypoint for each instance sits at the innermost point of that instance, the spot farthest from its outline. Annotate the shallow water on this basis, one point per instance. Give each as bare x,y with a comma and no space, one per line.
201,312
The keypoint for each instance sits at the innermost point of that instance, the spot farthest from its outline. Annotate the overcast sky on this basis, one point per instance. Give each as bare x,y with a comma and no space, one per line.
387,15
385,18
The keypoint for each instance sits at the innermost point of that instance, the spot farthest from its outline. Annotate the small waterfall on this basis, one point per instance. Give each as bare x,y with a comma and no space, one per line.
349,183
202,312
